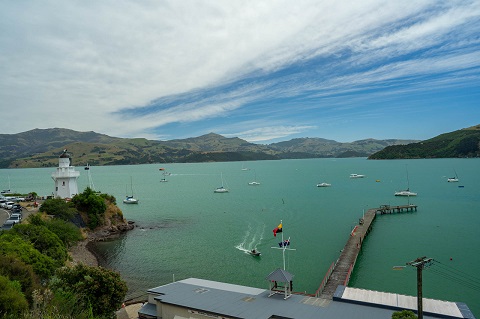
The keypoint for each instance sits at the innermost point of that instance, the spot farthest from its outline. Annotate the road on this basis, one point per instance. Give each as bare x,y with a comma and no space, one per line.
26,211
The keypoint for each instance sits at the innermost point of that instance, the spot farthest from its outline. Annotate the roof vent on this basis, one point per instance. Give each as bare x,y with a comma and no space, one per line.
200,290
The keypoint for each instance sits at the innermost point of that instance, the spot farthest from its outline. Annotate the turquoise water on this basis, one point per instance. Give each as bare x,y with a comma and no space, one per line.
185,230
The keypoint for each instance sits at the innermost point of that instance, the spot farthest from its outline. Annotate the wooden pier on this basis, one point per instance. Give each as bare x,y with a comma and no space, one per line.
340,271
388,209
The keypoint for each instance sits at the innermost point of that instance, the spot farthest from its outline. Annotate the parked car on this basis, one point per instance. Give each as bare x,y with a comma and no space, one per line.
17,211
16,219
16,215
9,205
8,224
16,206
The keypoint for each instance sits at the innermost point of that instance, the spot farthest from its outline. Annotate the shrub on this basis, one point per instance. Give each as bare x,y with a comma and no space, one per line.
15,269
101,289
13,245
57,207
404,314
93,205
44,240
12,300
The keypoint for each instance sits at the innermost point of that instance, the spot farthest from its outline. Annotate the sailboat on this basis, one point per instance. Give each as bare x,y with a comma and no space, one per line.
129,199
453,179
7,191
254,183
407,191
222,188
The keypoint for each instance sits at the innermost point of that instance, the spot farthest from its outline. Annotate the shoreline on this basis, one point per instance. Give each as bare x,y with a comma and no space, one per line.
81,253
85,252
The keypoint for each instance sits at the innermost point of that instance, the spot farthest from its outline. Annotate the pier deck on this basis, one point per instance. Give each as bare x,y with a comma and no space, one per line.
345,263
340,271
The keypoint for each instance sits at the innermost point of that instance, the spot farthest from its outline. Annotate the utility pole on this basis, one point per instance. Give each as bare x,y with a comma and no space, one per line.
420,263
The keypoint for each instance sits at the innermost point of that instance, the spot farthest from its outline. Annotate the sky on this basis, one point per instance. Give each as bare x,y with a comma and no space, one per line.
263,71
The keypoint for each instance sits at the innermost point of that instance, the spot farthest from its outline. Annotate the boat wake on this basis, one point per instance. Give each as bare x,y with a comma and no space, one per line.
252,238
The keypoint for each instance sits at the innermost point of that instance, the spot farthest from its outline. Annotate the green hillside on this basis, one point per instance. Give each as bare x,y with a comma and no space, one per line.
461,143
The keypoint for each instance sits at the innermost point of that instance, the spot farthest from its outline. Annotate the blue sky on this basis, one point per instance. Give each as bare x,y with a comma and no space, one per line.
264,71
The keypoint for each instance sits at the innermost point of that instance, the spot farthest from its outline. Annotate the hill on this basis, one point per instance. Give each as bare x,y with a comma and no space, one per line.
41,147
319,147
460,143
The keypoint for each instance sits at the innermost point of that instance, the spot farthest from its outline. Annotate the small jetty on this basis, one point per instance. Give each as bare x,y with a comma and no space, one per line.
388,209
340,270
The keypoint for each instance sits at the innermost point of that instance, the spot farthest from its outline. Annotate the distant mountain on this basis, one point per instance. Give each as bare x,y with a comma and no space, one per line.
319,147
461,143
217,143
41,148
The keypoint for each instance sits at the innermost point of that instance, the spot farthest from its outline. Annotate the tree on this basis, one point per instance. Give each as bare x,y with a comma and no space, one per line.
101,289
14,245
68,233
16,270
404,314
44,240
57,207
12,300
93,205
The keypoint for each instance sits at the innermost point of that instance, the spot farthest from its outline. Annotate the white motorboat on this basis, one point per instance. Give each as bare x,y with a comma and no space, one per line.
324,185
357,176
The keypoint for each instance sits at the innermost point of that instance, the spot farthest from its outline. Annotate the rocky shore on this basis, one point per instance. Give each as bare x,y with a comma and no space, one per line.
84,252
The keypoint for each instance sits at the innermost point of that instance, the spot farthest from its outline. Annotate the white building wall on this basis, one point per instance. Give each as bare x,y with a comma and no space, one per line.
65,179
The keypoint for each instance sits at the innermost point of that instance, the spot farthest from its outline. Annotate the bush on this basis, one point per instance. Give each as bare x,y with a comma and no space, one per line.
45,241
12,300
13,245
68,233
93,205
58,207
404,314
101,289
17,270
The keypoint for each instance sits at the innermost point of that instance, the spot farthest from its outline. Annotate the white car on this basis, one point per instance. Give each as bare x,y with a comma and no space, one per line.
8,205
15,216
16,219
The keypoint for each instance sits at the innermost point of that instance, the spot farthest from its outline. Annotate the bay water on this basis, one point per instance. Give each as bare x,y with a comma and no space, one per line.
184,229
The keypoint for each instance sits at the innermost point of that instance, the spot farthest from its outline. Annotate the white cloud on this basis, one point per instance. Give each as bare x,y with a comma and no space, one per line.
268,133
74,64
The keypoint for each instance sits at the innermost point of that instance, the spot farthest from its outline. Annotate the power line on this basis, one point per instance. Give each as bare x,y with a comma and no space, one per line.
458,272
458,280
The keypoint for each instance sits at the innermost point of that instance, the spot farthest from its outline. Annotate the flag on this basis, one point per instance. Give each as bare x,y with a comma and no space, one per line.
285,243
277,229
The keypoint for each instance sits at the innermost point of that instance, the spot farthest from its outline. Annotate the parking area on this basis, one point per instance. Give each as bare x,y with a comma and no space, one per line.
27,209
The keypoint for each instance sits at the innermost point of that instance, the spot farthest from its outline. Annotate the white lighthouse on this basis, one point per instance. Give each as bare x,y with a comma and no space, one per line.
65,177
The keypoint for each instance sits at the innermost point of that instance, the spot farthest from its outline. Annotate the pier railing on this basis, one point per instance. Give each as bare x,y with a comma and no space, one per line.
340,271
325,279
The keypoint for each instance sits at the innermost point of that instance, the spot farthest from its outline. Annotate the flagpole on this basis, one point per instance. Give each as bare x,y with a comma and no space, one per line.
283,248
283,244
